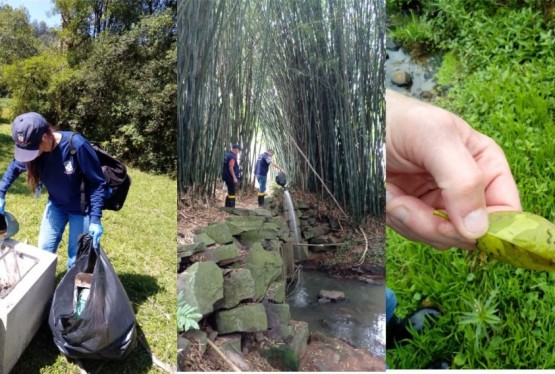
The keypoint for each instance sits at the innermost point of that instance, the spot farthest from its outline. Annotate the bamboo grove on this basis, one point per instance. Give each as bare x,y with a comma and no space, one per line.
303,77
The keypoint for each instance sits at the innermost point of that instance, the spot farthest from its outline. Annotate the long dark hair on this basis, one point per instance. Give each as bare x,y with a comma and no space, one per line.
33,167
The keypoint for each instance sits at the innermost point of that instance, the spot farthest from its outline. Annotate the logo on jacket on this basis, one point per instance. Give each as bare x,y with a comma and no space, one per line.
68,165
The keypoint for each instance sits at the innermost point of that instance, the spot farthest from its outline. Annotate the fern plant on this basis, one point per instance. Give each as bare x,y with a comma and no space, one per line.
187,317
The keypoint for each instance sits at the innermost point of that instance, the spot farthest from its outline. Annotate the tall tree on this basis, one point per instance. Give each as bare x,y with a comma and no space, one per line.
305,76
17,38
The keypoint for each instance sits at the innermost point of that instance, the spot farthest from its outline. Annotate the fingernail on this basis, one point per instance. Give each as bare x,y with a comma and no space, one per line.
476,222
388,196
401,213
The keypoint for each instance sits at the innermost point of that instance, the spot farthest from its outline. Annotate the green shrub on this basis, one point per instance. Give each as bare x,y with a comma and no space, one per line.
29,82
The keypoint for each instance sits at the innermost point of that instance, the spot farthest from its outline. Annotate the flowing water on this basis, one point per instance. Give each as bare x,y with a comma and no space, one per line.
422,72
290,209
359,320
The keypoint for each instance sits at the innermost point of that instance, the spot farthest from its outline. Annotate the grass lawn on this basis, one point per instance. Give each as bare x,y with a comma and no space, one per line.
495,315
140,243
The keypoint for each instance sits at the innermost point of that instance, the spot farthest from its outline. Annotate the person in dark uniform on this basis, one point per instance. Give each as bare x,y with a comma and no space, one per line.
231,174
261,171
44,154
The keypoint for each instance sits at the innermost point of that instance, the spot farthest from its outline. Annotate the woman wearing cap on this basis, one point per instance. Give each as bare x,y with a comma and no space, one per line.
45,155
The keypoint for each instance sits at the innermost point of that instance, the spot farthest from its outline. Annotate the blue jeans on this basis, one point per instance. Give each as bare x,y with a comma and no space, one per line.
54,221
390,304
261,182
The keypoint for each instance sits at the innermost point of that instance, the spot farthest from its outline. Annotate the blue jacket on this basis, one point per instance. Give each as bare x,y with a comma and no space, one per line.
61,173
262,164
226,175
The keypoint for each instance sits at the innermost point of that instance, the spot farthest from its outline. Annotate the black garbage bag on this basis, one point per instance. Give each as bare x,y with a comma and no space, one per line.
105,327
280,179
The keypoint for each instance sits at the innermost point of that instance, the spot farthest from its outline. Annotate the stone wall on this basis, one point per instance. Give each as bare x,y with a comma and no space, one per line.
234,274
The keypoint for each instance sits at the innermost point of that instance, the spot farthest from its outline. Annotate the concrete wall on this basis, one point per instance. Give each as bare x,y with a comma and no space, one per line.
23,310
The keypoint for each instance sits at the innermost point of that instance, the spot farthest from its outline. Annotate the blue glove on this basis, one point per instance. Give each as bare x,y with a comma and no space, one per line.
2,205
96,230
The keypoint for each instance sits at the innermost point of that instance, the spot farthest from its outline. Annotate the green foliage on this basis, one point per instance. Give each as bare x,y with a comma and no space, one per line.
187,318
417,32
16,35
282,358
501,63
128,87
122,95
304,77
30,82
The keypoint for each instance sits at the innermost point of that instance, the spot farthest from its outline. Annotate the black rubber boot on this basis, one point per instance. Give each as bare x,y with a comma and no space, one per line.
232,202
397,329
261,199
441,364
227,202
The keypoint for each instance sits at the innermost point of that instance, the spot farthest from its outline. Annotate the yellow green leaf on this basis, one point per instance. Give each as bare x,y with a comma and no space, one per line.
521,239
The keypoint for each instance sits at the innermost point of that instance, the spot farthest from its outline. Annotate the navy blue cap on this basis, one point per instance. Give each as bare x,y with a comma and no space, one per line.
27,132
237,146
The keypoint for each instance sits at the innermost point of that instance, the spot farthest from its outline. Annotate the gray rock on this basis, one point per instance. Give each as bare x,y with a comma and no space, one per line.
272,245
332,295
203,238
245,318
258,235
238,286
426,95
281,357
299,340
198,337
276,292
183,343
301,205
401,78
223,255
334,223
230,342
186,250
278,221
183,347
238,225
281,312
202,284
391,45
266,267
263,212
219,232
315,232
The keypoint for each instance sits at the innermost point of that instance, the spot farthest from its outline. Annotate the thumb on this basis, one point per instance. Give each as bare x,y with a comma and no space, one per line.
462,186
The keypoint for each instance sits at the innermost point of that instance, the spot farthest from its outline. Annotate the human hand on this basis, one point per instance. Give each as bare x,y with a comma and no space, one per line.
235,180
2,205
96,230
435,160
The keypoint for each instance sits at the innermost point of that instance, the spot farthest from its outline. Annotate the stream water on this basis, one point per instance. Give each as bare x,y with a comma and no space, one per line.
422,72
359,320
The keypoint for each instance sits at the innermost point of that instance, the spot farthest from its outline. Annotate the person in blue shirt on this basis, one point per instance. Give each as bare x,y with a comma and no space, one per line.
261,172
231,174
46,156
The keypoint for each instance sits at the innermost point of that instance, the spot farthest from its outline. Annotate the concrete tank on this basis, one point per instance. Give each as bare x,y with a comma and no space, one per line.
27,281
